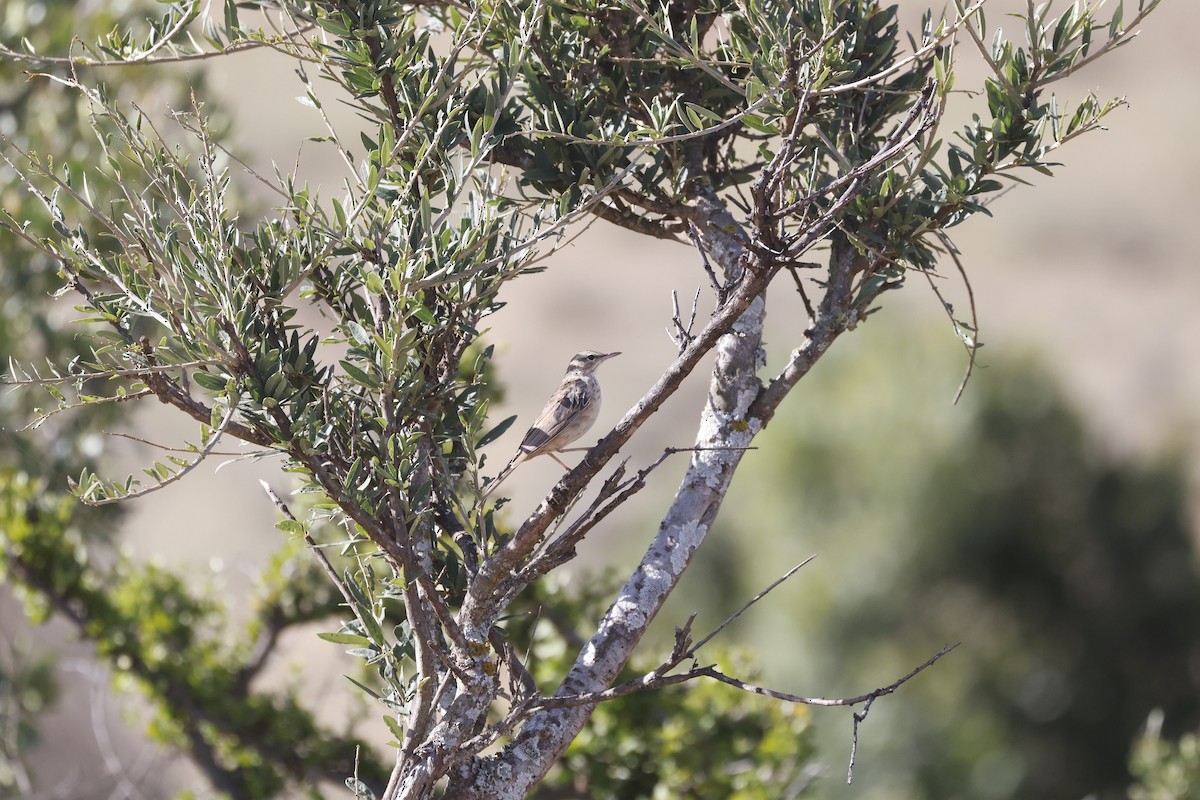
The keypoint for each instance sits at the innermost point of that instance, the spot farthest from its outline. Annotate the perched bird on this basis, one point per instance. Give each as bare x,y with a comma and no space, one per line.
568,415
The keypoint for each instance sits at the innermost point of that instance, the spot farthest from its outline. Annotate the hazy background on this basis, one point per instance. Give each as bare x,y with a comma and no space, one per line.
1092,272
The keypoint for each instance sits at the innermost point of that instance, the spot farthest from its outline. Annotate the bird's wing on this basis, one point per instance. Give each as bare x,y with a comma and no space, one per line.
556,417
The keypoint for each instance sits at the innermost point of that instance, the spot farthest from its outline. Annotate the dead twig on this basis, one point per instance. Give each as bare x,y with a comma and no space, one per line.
615,490
719,289
322,559
655,679
869,698
681,335
793,271
692,651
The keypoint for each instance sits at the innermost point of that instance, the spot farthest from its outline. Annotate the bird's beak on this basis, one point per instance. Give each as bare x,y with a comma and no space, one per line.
607,356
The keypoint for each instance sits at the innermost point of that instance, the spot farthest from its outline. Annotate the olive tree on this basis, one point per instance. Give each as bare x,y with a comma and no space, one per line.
782,141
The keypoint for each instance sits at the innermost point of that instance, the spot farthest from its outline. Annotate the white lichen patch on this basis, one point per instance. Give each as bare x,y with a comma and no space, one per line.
626,611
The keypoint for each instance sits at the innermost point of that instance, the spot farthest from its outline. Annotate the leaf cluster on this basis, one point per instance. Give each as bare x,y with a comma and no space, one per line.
178,648
1164,769
761,129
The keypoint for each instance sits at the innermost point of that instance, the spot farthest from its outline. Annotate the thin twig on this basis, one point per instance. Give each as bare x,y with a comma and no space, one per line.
682,336
38,421
203,454
868,699
147,57
322,559
971,341
169,449
974,349
655,680
114,373
692,650
718,288
808,307
561,548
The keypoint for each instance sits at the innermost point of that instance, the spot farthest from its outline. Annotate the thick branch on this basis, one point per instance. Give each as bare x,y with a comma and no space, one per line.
734,385
479,608
834,316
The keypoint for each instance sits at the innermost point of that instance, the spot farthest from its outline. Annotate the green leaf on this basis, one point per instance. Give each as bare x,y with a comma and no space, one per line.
364,687
365,609
355,639
759,124
358,375
395,727
987,185
214,383
290,526
703,113
358,334
496,432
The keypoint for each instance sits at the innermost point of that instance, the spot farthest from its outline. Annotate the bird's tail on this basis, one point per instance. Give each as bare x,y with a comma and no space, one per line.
517,460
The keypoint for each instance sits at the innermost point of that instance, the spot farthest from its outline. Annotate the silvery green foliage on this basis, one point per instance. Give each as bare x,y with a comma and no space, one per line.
768,133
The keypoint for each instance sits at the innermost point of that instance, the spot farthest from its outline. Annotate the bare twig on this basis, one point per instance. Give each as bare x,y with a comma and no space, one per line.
869,698
521,682
322,559
38,421
970,339
201,455
680,334
561,549
692,651
655,679
168,448
719,289
110,373
793,270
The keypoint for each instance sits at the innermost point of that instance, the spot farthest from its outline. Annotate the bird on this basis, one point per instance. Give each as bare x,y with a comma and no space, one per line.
568,415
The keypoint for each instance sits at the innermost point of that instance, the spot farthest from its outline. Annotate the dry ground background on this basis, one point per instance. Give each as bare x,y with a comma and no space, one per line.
1094,269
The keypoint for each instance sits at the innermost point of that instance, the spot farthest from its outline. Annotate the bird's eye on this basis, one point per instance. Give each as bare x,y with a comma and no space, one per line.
591,357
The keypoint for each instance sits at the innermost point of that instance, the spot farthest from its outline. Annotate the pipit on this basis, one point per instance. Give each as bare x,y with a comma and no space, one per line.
568,415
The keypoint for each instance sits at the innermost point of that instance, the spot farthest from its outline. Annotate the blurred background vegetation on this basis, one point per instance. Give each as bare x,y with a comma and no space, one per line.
1067,575
1065,565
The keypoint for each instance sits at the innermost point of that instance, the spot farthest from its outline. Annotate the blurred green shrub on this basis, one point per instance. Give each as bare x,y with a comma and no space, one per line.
1165,770
1002,523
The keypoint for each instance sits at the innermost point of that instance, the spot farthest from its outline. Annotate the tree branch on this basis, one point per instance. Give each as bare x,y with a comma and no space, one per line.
546,734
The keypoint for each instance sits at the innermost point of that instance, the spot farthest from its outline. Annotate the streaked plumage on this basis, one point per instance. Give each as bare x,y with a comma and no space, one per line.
568,415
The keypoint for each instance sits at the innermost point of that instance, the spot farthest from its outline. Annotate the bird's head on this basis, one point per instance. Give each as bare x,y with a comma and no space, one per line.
588,360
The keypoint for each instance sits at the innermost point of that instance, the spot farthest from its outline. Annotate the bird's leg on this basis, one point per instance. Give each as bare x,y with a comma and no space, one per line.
574,449
560,461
